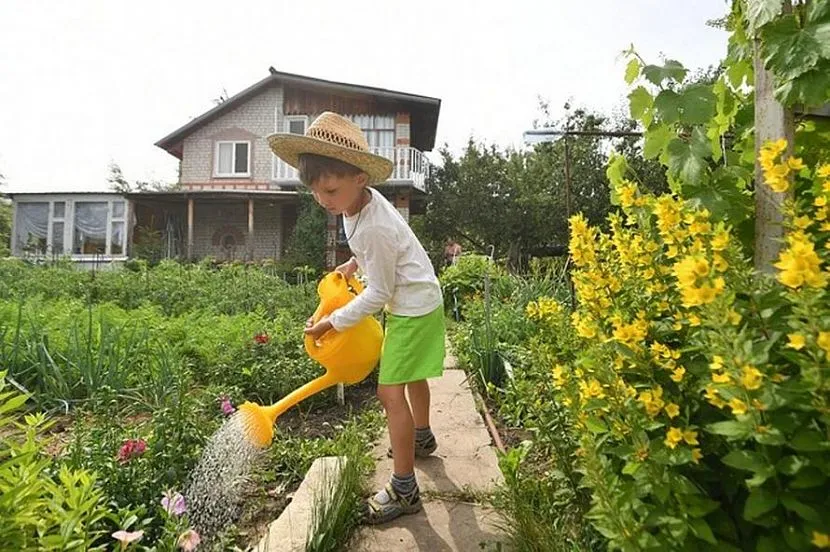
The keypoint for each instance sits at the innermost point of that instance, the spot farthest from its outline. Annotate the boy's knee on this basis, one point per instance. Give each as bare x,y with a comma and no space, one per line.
391,395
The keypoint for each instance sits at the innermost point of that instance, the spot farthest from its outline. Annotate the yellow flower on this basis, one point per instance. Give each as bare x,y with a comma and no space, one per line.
719,263
824,342
738,406
721,378
820,201
652,400
799,263
690,437
751,377
802,222
821,540
720,240
678,374
717,362
734,317
694,320
671,252
796,342
560,377
672,410
713,398
673,436
696,455
795,163
824,171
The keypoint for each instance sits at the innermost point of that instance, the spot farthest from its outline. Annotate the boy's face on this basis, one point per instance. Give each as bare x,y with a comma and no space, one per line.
340,194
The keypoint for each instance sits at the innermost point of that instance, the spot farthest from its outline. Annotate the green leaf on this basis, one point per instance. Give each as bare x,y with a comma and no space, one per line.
687,160
701,530
595,425
656,139
810,89
640,102
759,502
808,478
791,465
632,70
788,49
739,72
671,70
761,12
808,440
746,460
732,429
697,104
667,106
794,505
699,506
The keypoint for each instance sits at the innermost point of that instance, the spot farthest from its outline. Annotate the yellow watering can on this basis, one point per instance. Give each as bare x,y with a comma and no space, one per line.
348,357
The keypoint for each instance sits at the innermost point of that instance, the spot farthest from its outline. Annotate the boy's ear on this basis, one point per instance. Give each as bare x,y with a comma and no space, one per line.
363,179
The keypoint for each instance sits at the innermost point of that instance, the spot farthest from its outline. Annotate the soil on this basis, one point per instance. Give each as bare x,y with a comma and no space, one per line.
265,502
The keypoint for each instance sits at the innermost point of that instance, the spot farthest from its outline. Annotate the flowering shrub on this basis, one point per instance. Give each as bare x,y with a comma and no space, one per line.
699,391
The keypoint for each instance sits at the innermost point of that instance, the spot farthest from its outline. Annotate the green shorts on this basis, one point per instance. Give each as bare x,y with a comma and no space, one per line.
413,348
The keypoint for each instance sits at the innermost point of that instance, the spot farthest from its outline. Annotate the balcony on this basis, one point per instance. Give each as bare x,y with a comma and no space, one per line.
411,165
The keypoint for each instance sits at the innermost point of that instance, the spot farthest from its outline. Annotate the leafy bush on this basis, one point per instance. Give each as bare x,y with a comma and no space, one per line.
42,507
698,392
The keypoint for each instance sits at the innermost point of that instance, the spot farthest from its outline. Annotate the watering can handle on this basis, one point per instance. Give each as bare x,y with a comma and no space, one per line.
323,308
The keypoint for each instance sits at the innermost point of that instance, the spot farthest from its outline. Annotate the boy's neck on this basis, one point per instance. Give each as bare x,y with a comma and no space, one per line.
365,198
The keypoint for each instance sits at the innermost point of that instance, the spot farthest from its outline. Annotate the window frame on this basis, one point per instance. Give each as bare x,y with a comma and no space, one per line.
218,144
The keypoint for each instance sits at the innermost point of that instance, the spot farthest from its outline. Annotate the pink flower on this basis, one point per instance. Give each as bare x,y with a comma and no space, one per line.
262,338
126,537
189,540
131,448
227,407
174,503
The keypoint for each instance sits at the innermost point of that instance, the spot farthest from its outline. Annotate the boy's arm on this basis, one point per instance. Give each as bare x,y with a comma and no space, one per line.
380,266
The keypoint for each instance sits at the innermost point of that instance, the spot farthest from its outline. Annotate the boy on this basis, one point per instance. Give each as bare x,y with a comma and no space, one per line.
334,161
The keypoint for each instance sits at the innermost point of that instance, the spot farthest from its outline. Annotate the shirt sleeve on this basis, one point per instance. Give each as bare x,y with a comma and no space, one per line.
379,266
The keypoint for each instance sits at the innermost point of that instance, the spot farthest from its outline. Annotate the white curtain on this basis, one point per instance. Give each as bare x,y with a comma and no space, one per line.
32,223
225,158
378,129
90,226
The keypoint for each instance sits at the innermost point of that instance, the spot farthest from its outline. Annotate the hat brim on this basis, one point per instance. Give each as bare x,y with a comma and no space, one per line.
289,147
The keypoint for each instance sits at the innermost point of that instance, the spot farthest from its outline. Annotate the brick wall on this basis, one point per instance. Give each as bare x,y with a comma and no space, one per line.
254,120
211,220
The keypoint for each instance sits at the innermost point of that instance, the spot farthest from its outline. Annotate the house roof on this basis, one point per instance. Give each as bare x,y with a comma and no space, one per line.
423,109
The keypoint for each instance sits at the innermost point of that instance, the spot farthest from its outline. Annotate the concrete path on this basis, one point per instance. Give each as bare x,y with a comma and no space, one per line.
452,481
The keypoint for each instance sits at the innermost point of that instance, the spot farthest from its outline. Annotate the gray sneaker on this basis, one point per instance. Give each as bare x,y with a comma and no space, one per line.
422,448
387,505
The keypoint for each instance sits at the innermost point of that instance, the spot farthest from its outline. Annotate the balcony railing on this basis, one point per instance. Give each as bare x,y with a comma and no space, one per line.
410,165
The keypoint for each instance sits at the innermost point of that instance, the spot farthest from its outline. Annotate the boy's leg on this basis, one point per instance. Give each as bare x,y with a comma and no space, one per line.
419,397
401,426
400,495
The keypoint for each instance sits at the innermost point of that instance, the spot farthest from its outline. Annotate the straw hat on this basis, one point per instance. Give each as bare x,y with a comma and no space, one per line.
332,135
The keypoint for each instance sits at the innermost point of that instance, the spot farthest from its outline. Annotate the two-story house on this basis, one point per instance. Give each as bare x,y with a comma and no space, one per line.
236,199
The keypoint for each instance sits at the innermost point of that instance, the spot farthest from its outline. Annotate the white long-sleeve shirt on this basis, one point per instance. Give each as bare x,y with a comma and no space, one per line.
399,273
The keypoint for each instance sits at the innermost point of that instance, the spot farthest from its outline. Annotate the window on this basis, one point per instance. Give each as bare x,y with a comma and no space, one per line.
232,159
32,227
117,228
378,129
295,124
90,235
99,228
58,214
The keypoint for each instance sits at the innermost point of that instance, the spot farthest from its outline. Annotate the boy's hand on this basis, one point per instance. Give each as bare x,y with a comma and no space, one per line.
348,268
317,330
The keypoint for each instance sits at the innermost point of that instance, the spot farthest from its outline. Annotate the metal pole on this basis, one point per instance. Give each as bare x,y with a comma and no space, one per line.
568,217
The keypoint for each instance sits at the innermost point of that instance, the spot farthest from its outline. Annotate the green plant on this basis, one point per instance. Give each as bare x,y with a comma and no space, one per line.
42,507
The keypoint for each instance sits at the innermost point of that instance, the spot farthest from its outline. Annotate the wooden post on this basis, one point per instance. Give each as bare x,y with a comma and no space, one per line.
772,121
250,229
189,228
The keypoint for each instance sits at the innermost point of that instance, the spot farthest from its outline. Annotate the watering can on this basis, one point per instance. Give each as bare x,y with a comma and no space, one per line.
348,357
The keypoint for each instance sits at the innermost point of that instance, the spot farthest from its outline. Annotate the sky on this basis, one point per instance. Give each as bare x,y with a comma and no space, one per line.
84,83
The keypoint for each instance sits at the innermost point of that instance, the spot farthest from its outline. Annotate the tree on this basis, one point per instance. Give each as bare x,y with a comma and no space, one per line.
307,243
119,183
